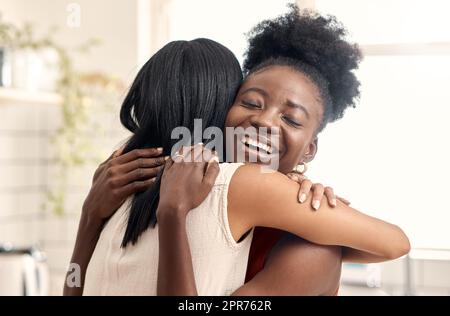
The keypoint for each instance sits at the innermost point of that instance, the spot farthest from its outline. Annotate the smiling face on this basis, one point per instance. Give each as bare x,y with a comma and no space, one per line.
282,98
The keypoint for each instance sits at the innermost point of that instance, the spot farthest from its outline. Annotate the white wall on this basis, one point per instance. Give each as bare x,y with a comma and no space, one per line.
226,22
27,127
113,22
390,155
27,171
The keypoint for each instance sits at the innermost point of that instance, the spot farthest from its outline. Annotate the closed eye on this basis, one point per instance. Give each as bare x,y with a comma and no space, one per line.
291,122
251,105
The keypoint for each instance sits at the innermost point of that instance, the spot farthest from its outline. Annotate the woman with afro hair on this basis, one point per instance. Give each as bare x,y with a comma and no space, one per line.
298,77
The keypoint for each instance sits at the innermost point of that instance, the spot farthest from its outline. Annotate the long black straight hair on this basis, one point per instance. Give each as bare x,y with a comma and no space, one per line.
183,81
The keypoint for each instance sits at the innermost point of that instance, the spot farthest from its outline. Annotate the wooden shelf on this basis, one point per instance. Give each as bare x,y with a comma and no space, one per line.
24,96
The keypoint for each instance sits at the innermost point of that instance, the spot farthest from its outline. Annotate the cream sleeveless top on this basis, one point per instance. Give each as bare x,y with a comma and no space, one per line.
219,262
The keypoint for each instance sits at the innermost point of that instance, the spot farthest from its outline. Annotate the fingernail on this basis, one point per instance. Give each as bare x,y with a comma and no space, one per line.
316,204
333,202
166,158
302,198
214,158
160,149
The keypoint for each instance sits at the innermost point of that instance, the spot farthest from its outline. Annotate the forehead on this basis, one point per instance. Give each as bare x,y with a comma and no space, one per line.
284,82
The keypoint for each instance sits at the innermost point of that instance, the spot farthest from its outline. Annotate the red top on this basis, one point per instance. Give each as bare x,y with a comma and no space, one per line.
264,239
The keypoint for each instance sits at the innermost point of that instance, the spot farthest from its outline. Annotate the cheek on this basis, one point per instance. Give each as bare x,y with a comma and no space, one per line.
295,145
236,115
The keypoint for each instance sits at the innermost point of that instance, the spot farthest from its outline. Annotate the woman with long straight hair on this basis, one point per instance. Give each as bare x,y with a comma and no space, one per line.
297,89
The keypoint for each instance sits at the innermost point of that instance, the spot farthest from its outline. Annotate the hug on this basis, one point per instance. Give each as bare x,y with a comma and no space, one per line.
197,220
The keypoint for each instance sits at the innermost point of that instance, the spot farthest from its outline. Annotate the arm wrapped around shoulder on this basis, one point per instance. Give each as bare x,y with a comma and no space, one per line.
257,198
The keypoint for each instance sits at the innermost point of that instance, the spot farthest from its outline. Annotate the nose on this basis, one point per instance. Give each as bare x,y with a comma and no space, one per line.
265,118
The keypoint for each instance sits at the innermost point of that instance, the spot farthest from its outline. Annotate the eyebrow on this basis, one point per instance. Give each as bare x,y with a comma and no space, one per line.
297,106
288,102
255,89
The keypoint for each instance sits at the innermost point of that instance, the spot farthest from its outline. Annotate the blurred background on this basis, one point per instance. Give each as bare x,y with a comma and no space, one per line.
65,67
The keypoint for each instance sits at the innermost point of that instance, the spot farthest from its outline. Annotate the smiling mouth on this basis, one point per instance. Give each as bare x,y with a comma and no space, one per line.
255,145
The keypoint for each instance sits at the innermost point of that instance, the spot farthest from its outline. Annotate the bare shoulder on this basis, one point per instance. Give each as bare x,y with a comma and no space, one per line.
252,189
251,184
250,173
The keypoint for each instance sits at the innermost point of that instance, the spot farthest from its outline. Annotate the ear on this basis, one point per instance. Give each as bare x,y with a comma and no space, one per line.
311,151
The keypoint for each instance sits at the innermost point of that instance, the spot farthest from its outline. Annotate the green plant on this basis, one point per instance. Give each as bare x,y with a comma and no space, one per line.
81,94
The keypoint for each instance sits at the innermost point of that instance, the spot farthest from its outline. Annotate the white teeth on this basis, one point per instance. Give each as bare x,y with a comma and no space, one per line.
247,140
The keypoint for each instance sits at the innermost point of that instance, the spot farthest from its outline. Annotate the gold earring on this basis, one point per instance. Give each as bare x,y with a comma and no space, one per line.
300,168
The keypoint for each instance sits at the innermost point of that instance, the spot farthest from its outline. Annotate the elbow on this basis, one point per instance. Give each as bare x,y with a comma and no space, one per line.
400,247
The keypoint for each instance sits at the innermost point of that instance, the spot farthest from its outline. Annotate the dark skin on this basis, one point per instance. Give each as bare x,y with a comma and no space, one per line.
280,87
264,101
121,176
284,98
114,181
281,98
117,178
171,215
297,267
289,269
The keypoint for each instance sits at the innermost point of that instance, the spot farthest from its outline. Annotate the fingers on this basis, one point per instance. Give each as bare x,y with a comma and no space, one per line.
169,163
198,151
305,187
297,177
133,166
132,170
298,174
138,153
318,191
180,154
199,158
112,156
331,197
197,154
115,154
102,166
134,187
142,163
212,171
97,172
345,201
118,152
137,174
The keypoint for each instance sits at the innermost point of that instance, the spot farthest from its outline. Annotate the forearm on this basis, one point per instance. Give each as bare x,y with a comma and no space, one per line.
370,239
359,256
87,236
367,239
250,205
175,270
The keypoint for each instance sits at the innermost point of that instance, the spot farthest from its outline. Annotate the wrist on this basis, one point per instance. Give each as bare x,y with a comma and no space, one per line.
90,219
171,214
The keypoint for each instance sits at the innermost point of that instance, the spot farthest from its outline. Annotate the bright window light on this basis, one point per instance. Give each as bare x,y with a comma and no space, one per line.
223,21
